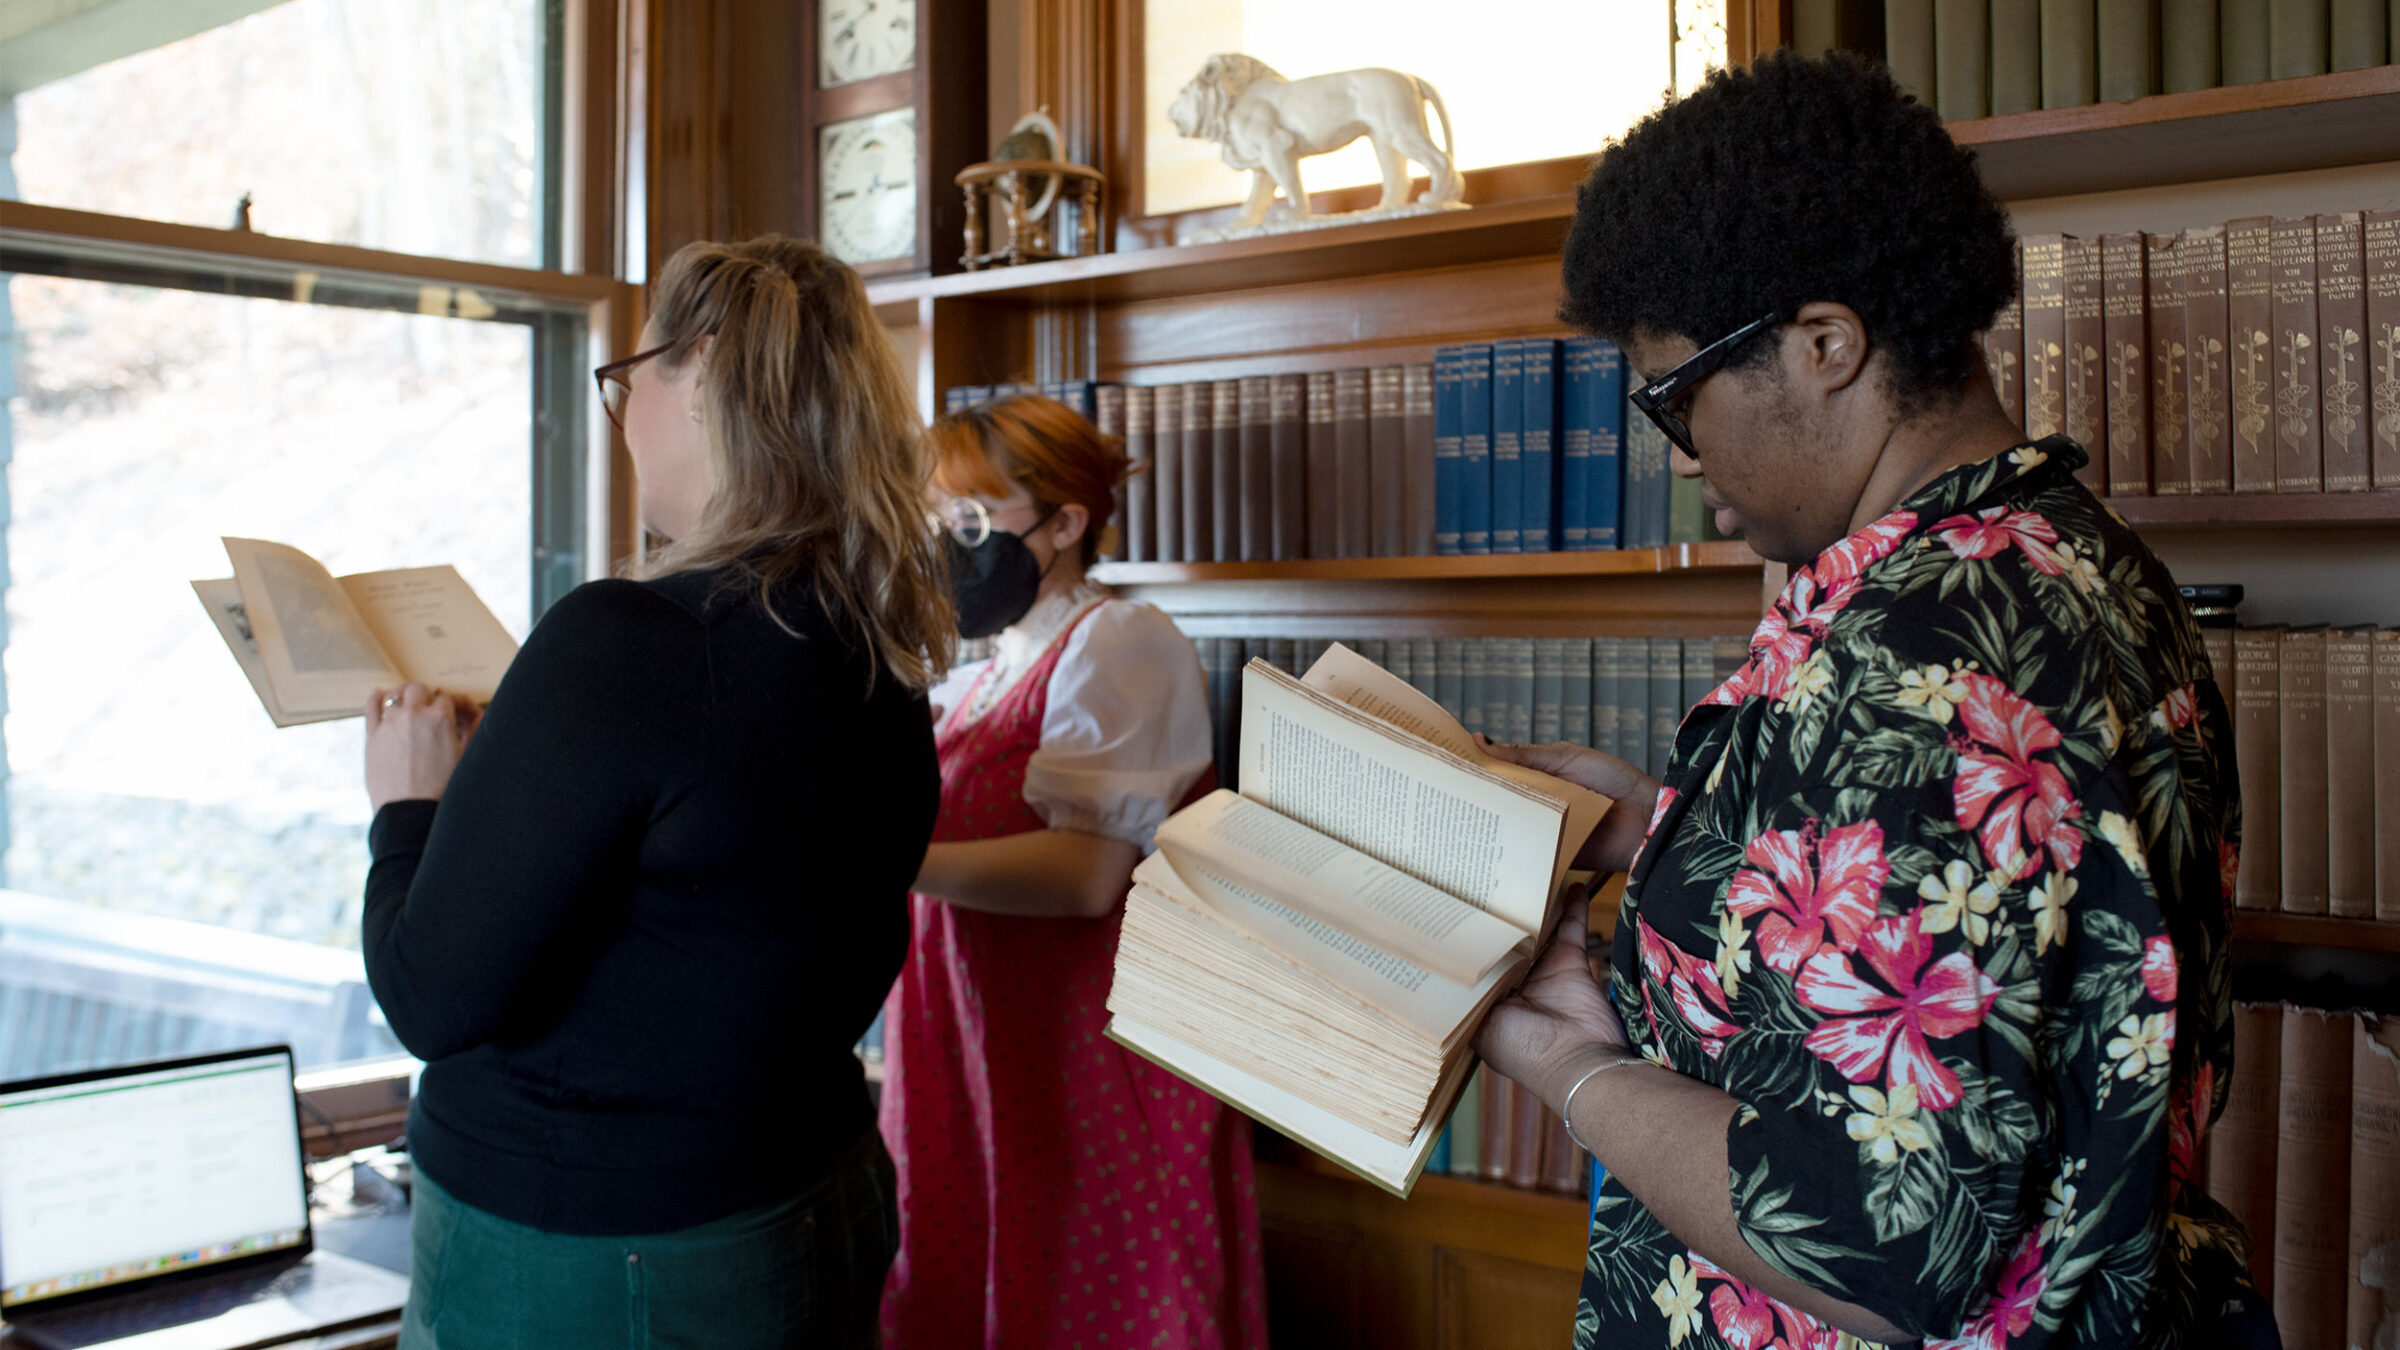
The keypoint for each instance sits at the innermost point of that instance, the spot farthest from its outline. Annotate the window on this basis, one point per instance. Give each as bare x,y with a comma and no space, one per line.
1522,79
177,875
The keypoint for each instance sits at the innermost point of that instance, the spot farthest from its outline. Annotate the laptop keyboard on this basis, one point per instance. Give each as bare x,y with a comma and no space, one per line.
192,1302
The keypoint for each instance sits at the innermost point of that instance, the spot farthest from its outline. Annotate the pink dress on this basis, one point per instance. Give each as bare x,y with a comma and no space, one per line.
1056,1190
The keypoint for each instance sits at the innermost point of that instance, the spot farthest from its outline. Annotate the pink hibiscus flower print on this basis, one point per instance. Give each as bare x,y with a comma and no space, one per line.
1812,889
1852,556
1749,1320
2010,1313
1992,530
2158,968
2229,866
2181,707
1799,620
2017,805
1885,1028
1692,986
2186,1119
1658,812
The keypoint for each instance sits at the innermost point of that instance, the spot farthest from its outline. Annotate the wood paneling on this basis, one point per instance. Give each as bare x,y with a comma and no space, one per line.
1483,1300
724,126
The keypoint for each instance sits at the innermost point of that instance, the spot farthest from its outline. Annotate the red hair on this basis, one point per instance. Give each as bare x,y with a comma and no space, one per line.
1040,444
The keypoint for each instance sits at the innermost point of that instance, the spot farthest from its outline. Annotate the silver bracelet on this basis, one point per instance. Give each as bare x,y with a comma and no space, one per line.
1566,1109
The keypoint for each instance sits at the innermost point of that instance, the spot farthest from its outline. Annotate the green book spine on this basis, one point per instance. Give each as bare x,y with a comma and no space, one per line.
2296,38
2188,44
1908,46
2068,69
2128,49
1962,58
2358,39
2242,41
1687,515
2016,56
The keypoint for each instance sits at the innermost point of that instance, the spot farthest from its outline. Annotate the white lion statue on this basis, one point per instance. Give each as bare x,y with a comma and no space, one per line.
1266,123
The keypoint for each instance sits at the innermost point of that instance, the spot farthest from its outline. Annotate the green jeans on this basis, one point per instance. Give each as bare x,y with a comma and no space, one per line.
803,1271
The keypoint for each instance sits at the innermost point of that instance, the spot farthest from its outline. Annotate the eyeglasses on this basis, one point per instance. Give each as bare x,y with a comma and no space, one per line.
1658,397
963,518
615,386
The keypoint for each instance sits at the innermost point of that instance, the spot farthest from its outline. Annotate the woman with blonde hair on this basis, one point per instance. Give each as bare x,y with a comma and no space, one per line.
1055,1189
634,925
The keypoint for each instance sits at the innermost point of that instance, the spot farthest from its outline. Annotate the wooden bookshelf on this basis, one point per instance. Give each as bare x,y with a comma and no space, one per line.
2316,930
1732,556
2299,508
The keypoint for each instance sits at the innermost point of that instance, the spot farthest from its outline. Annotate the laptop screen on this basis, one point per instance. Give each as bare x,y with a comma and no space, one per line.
112,1177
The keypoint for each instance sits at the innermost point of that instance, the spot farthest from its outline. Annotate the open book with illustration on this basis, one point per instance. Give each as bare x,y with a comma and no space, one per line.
1320,949
315,645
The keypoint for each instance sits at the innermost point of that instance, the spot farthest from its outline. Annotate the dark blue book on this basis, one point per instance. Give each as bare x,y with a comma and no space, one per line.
1576,692
1645,512
1508,445
1539,522
1076,394
1575,445
960,397
1450,677
1630,694
1448,412
1475,689
1699,667
1475,449
1604,483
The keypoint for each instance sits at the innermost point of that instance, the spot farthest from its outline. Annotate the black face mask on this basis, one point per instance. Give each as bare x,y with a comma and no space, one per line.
995,582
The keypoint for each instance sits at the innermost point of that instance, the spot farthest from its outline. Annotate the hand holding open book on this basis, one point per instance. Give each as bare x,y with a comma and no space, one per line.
1340,928
314,645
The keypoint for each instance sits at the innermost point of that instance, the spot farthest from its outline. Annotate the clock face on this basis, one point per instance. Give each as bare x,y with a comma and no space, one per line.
867,187
860,39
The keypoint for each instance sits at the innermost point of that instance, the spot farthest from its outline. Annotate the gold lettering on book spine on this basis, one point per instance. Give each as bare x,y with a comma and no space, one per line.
2208,410
2042,394
2124,409
2167,406
2344,366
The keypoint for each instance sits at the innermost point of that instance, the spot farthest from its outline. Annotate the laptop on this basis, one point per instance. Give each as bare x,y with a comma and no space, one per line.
164,1206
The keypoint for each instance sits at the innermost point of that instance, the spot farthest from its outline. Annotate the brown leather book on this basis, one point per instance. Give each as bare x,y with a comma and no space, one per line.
2382,235
2374,1166
2170,459
2087,370
2385,649
2218,643
2299,456
1287,434
2004,356
2250,342
1388,505
2258,749
2350,773
2045,275
1257,435
2312,1178
1498,1100
1139,528
2241,1145
1108,417
2342,350
2301,691
1416,463
1225,468
1526,1131
1199,472
1166,473
2208,439
2123,287
1353,478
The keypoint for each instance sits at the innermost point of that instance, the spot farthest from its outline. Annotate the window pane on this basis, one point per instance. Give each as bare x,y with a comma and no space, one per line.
1548,79
409,125
143,776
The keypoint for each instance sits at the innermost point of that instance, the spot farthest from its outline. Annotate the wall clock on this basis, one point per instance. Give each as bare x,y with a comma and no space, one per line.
894,110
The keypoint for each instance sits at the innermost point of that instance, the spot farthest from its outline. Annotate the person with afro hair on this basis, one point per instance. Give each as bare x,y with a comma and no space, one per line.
1917,1008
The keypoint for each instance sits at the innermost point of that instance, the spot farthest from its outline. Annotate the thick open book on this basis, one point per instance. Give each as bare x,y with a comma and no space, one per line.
1320,949
315,645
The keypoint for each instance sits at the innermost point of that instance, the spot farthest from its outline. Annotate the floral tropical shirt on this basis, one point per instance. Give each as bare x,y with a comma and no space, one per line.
1937,890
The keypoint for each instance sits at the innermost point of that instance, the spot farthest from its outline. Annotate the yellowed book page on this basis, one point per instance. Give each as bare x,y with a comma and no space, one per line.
438,631
1362,684
1429,1007
222,598
1491,842
1320,877
321,658
1394,1167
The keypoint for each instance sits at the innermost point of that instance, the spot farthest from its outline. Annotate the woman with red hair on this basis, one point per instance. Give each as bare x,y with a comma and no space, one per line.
1053,1185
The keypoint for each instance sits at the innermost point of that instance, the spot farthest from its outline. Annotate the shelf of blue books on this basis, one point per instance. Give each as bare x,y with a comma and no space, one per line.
1714,556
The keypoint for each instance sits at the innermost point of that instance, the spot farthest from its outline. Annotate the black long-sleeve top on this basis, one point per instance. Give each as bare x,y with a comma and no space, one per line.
658,903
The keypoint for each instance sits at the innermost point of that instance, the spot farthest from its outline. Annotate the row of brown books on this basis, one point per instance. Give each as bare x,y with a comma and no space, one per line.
2261,355
2307,1156
2316,727
1500,1131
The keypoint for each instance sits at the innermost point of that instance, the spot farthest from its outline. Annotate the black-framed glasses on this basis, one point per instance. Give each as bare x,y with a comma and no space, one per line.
1658,398
615,386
